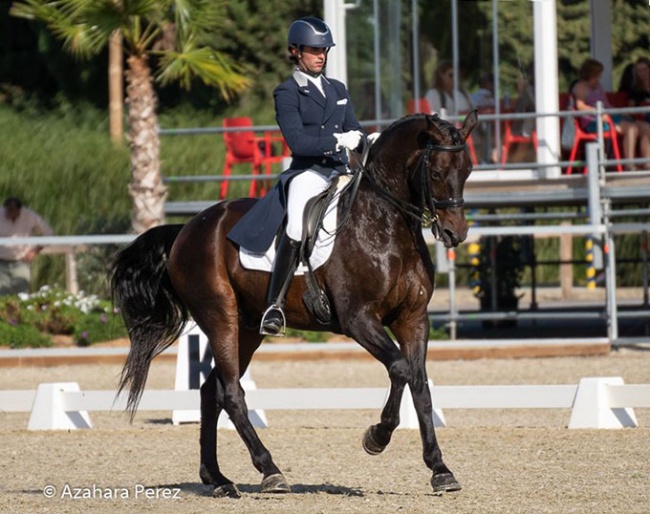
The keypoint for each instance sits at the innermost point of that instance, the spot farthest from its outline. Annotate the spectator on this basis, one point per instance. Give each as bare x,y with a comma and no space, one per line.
15,260
525,102
441,95
587,91
484,96
627,77
639,89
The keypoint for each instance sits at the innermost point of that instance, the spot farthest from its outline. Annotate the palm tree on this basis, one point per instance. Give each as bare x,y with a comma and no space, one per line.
173,34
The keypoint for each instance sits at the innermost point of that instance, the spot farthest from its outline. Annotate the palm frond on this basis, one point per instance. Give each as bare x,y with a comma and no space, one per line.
206,64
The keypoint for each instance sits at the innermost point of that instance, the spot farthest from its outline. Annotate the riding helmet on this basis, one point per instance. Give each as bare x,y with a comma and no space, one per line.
310,31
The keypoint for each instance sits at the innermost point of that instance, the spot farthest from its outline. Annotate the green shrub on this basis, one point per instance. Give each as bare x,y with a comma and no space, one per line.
52,311
98,326
22,336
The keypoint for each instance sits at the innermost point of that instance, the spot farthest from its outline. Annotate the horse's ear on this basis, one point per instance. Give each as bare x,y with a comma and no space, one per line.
433,122
470,123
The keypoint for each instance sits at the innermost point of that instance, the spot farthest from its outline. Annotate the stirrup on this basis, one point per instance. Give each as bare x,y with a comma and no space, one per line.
283,322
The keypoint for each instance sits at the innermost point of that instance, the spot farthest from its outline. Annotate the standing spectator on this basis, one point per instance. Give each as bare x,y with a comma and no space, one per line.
588,91
441,96
18,221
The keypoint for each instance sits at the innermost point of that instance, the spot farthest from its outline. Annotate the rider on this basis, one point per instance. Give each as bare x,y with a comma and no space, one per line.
317,120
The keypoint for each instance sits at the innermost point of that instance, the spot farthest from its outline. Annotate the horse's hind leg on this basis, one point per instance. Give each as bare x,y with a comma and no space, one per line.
413,336
231,396
211,407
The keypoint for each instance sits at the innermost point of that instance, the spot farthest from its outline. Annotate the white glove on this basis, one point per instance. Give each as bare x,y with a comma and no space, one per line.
373,137
349,140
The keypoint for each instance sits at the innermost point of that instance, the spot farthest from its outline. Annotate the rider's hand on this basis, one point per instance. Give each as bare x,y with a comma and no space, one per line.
349,140
373,137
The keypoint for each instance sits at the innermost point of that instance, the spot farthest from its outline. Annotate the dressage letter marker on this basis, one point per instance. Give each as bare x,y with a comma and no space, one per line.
193,366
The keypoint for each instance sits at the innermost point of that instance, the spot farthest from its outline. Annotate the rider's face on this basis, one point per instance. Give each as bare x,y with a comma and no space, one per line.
312,60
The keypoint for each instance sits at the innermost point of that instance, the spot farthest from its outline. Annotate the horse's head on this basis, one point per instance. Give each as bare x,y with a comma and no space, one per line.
420,164
439,175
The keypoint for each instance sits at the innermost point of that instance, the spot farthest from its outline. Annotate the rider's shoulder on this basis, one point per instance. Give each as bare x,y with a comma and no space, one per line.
340,86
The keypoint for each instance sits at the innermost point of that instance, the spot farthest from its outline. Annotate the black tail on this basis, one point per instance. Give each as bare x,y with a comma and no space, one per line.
153,313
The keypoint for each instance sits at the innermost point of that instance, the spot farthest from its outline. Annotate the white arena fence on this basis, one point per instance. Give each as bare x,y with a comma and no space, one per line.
596,402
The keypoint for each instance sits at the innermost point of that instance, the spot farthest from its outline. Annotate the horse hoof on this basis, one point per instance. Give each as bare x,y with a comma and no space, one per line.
371,446
275,484
226,491
445,483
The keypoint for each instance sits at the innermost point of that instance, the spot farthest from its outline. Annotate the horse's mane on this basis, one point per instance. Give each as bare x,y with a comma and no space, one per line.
443,125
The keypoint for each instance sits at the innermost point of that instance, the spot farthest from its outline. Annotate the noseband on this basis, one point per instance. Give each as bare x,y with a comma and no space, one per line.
419,181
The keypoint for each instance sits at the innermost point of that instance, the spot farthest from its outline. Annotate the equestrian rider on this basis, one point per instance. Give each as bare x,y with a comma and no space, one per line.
317,120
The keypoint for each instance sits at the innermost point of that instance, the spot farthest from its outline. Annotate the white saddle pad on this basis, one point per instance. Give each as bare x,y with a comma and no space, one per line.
322,249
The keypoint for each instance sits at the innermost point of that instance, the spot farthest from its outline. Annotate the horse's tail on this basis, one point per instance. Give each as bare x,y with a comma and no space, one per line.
153,313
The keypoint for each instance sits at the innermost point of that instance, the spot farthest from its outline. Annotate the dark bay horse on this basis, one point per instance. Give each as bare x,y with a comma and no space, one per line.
379,275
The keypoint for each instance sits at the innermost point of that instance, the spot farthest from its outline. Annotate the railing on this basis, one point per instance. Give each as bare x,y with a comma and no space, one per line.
600,225
596,402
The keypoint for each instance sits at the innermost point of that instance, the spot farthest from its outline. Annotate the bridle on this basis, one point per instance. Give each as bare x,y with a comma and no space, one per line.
426,211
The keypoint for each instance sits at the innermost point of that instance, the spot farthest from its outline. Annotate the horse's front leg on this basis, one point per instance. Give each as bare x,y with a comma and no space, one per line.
373,337
413,337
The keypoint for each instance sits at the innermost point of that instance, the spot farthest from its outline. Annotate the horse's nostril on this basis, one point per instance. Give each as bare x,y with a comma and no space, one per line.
452,237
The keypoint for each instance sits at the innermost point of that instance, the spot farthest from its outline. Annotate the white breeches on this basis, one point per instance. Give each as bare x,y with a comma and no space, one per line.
302,188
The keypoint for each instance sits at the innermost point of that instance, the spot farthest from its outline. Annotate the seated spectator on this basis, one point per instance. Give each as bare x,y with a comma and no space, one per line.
587,91
627,77
441,95
638,88
484,96
525,102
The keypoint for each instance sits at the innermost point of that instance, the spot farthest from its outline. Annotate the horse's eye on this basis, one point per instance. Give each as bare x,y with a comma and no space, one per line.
436,175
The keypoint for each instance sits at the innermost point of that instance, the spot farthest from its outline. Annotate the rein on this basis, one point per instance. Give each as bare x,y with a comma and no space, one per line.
426,211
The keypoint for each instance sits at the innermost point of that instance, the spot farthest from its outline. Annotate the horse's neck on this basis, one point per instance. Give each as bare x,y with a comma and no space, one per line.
382,199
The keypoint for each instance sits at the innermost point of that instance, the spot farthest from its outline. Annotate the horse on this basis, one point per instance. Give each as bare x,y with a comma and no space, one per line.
379,276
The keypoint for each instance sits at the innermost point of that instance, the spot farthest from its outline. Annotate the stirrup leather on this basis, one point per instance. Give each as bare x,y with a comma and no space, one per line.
283,326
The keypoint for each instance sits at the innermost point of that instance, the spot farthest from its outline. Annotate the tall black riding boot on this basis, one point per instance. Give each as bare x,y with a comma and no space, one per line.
284,266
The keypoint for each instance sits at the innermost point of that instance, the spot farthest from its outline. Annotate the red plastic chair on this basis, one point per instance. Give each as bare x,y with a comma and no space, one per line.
582,136
417,105
509,138
244,147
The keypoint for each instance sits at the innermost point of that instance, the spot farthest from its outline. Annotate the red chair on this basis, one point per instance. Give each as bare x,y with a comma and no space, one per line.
581,137
244,147
417,105
509,138
618,99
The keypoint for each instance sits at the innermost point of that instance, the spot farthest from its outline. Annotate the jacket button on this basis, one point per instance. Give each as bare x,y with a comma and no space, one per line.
324,161
336,126
322,126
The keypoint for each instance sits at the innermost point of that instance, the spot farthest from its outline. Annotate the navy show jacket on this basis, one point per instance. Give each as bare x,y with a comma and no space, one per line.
308,122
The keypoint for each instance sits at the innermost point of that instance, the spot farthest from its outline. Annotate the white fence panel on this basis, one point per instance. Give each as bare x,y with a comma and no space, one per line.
596,402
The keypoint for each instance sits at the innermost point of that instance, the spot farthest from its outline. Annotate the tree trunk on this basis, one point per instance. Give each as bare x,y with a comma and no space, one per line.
115,89
146,187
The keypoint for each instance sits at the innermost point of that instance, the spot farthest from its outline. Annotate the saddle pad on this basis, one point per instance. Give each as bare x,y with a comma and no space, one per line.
322,249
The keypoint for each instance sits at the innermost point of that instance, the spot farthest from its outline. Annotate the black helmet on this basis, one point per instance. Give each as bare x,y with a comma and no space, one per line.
310,31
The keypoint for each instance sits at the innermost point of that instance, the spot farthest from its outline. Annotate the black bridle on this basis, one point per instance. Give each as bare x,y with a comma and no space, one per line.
419,181
426,210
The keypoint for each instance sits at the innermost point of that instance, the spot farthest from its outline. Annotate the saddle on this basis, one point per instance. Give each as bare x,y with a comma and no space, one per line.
315,299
